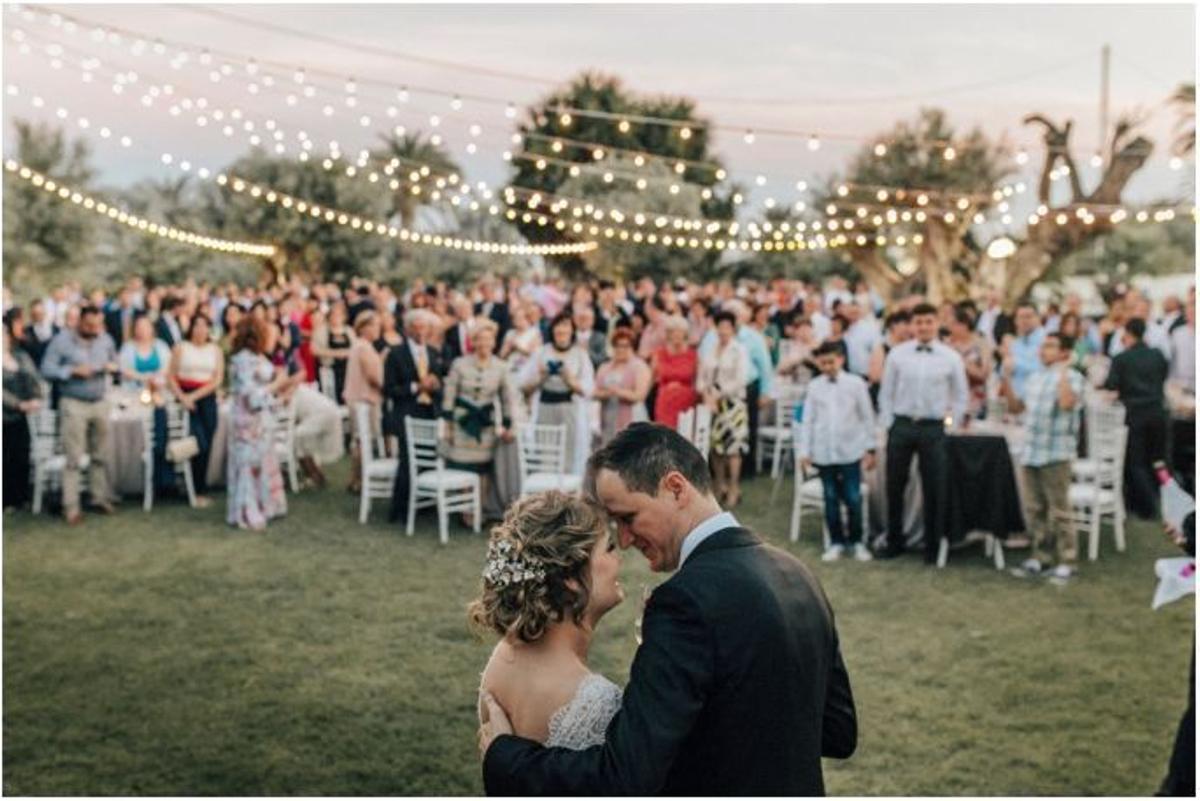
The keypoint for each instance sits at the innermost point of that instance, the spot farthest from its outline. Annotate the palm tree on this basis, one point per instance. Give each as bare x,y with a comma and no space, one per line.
1184,101
413,150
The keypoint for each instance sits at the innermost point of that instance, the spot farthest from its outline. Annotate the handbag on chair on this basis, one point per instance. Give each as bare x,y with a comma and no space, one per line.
182,449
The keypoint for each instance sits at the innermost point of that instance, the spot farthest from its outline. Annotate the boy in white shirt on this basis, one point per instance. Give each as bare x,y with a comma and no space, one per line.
837,434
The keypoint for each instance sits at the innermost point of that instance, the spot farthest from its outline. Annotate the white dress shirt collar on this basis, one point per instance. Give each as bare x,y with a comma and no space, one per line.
706,529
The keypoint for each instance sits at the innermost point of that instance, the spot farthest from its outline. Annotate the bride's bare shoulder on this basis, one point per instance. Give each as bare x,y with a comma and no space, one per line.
530,685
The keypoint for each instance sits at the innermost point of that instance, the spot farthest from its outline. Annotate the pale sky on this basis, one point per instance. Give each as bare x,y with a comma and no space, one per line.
848,69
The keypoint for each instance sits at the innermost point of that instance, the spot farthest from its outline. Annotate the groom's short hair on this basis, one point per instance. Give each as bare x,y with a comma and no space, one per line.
645,452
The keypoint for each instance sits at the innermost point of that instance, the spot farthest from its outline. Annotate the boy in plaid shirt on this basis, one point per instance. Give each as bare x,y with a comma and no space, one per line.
1050,400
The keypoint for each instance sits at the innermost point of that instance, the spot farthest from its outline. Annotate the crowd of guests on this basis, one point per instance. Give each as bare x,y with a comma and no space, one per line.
594,357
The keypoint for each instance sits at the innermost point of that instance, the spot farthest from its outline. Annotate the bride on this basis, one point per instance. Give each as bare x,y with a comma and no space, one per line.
551,574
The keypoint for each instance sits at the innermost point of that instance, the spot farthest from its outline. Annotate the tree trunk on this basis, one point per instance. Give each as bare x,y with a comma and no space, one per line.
1048,240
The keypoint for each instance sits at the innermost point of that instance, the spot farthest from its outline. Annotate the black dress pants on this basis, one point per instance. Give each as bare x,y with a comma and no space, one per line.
749,465
399,508
17,490
1147,445
1183,452
927,440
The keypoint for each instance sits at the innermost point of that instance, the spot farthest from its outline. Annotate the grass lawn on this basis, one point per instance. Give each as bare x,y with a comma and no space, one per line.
167,654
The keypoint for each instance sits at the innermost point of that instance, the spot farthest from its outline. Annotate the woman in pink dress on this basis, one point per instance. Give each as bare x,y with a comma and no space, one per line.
674,367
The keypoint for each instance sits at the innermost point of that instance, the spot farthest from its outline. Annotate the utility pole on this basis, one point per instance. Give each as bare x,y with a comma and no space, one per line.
1105,55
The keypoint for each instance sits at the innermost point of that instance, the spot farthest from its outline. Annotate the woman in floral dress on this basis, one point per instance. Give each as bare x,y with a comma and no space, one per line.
255,483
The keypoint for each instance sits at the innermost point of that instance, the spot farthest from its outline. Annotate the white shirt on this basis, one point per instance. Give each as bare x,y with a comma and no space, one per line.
925,384
838,425
703,531
1156,337
1183,356
987,321
822,326
860,340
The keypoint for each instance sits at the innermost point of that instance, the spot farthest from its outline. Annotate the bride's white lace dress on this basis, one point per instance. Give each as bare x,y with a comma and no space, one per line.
581,723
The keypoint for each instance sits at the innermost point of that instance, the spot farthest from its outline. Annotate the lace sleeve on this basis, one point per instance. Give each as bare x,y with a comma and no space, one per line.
582,722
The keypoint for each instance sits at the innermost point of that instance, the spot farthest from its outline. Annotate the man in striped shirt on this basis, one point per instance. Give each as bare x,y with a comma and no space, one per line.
1050,402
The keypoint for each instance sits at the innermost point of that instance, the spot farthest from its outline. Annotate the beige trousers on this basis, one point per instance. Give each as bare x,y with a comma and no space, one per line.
84,427
1046,510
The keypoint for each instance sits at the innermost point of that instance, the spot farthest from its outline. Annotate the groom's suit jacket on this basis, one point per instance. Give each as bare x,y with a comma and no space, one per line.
738,688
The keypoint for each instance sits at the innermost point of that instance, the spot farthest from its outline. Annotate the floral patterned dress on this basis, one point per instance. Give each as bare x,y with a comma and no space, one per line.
255,483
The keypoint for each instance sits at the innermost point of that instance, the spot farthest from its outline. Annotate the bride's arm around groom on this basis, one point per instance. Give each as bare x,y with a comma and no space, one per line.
738,688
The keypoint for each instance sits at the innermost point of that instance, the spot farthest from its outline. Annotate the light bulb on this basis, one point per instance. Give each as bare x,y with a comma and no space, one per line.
748,138
685,133
814,143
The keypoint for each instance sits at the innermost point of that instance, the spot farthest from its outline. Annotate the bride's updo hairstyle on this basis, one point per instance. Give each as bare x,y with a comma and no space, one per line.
544,540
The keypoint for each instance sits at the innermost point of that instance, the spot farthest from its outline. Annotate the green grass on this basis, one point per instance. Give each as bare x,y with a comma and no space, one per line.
167,654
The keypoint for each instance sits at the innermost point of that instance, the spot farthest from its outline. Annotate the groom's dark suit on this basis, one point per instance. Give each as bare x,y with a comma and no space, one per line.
738,689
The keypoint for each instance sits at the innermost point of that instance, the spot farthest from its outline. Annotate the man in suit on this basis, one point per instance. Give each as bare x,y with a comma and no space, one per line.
738,687
412,387
118,319
587,337
458,336
167,328
38,331
494,307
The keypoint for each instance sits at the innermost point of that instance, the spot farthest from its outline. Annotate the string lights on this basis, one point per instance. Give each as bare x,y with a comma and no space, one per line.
66,193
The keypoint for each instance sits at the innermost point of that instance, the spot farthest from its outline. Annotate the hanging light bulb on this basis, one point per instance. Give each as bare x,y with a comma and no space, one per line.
456,103
623,126
564,120
1022,156
748,138
881,149
814,143
949,154
685,133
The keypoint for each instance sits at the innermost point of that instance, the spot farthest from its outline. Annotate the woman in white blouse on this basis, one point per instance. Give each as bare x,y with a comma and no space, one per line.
197,371
722,384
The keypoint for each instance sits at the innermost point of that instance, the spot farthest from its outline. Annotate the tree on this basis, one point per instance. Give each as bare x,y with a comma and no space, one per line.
173,201
1069,227
306,245
413,152
917,157
1184,101
544,122
46,239
1133,248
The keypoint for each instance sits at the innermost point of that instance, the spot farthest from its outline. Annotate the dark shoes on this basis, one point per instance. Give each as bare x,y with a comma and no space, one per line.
889,551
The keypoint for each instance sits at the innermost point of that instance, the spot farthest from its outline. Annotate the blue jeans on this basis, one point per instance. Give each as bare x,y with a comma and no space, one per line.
843,485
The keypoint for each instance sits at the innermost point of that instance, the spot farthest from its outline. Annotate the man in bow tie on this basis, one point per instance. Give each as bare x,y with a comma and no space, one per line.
924,391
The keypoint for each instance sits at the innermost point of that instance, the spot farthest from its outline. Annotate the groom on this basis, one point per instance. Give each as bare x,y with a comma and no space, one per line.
738,687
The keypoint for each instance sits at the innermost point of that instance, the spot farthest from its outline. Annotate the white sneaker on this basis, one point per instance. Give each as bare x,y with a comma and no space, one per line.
862,553
832,553
1061,575
1028,569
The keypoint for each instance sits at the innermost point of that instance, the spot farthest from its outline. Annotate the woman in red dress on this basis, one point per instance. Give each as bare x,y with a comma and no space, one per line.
674,366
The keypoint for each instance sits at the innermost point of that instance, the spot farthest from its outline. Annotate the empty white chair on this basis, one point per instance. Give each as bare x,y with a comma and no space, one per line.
431,483
542,454
328,382
702,438
178,428
695,425
283,436
778,435
686,424
1099,495
46,455
378,471
1102,420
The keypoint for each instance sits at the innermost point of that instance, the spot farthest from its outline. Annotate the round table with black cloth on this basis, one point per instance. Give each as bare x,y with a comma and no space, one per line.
981,487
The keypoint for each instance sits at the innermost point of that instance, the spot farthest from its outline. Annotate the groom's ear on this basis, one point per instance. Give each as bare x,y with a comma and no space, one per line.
676,486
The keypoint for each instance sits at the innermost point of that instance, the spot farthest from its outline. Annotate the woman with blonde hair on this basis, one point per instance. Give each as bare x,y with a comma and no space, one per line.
478,403
722,384
364,384
551,575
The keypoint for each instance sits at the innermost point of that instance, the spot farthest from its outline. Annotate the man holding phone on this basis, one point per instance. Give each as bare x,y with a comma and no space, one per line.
77,361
